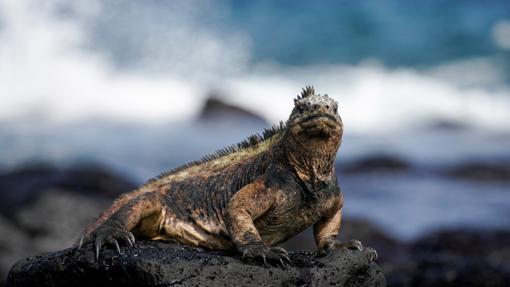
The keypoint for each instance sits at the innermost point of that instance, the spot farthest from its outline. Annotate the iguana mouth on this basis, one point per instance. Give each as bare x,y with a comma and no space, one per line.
320,116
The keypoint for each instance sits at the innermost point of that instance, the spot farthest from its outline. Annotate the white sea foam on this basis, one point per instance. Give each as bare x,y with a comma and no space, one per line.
373,98
46,75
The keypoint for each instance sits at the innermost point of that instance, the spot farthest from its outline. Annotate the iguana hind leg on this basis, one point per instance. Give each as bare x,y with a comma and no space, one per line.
141,216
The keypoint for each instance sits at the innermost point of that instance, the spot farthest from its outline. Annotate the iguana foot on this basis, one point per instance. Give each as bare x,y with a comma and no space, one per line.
372,254
261,251
351,244
110,233
333,244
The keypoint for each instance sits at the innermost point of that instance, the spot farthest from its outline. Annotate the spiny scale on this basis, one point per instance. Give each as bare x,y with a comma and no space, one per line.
251,141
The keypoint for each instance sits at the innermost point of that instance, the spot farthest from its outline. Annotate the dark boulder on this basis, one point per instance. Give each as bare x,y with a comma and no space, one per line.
455,258
159,264
486,172
376,163
51,221
215,108
441,269
20,186
55,218
475,243
14,244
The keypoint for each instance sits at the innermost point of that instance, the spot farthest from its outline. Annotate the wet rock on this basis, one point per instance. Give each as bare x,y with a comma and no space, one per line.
94,180
159,264
22,185
14,244
45,208
446,270
478,243
51,221
216,108
17,186
455,258
376,163
56,218
487,172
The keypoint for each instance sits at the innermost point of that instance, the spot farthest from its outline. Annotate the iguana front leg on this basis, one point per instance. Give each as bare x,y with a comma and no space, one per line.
143,213
248,204
326,232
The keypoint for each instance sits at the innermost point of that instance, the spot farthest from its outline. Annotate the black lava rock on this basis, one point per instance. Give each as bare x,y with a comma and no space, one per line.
376,163
160,264
215,108
484,172
455,258
19,186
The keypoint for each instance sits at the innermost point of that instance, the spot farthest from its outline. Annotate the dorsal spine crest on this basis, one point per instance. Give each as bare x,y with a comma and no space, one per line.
250,142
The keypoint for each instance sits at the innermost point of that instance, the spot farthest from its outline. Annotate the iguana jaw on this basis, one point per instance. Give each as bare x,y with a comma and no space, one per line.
321,126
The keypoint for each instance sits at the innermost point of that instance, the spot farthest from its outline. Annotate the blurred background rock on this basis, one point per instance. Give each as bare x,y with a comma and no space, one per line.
99,96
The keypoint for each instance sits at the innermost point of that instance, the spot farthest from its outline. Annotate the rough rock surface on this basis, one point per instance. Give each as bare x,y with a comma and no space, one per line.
160,264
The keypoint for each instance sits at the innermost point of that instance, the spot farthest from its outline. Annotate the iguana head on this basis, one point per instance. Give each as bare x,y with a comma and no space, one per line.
315,118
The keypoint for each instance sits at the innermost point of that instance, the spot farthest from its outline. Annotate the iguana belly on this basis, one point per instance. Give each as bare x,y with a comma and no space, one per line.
212,235
200,233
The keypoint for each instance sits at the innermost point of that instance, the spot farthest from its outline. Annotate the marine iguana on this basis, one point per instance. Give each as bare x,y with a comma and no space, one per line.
250,196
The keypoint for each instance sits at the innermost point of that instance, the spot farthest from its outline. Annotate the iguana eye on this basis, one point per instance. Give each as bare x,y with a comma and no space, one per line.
301,109
335,109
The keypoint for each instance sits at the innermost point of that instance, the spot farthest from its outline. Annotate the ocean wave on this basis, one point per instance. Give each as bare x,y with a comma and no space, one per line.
48,75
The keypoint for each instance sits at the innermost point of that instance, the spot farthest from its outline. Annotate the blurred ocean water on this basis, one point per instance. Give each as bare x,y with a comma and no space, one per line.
68,61
122,83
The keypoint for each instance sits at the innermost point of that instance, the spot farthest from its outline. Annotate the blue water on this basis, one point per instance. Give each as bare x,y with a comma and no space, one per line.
410,33
410,205
299,33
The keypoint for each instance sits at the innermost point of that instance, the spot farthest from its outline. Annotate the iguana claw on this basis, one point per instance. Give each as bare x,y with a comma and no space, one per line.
261,251
372,254
351,244
110,233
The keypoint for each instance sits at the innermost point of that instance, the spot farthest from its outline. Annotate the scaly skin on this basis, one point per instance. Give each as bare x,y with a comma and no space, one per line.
249,197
